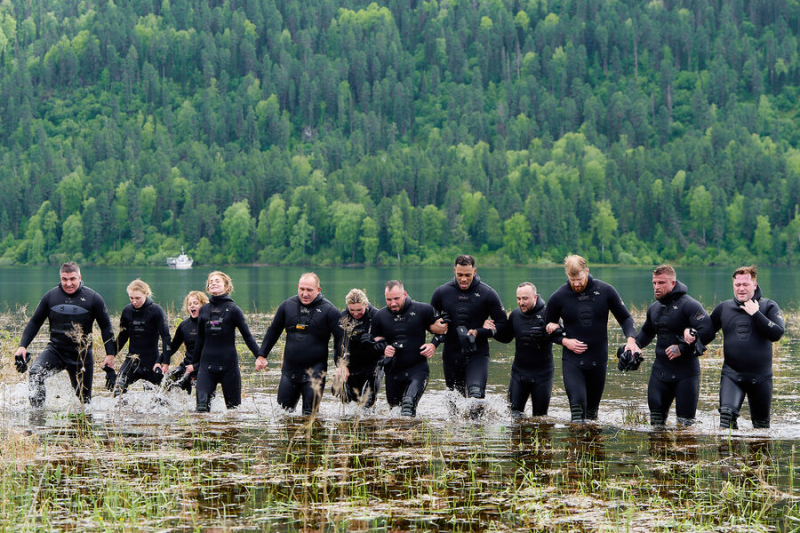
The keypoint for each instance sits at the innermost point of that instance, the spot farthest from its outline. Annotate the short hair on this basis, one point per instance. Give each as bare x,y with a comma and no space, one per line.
465,260
665,270
392,284
309,275
527,284
138,285
70,266
746,270
574,265
356,296
200,296
226,280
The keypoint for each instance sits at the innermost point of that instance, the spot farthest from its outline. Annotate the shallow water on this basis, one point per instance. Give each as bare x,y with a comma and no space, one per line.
151,463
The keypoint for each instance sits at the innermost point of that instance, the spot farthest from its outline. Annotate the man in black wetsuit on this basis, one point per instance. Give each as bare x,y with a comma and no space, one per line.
71,309
400,330
749,324
464,304
532,370
356,371
309,321
583,303
677,321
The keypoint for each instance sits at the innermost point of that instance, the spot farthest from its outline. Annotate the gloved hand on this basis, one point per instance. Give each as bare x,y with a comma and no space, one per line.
111,377
627,360
467,341
21,363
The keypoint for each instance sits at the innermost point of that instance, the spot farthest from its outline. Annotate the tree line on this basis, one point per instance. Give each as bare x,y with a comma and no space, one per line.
344,132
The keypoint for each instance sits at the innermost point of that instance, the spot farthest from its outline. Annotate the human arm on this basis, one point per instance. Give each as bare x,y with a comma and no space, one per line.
34,325
104,323
271,336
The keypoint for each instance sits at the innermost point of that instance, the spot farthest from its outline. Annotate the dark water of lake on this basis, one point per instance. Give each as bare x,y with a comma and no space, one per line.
261,289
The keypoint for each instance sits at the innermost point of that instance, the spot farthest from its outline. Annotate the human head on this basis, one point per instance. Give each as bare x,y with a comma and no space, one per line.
395,295
70,275
744,283
356,302
219,283
464,270
308,288
577,272
664,279
526,296
193,302
138,292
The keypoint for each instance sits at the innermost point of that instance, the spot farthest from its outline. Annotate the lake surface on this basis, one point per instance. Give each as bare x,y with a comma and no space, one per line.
262,289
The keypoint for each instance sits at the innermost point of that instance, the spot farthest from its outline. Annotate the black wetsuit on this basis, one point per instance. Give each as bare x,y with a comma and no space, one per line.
677,379
143,327
68,314
362,361
532,369
467,371
215,357
186,333
407,371
305,357
747,366
585,318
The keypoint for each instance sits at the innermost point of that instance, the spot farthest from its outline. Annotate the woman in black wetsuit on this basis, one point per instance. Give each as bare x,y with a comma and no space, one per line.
215,357
356,374
142,322
185,334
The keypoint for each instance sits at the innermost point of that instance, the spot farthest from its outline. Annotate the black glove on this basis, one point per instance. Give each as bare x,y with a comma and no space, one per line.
695,348
467,341
627,360
111,377
21,363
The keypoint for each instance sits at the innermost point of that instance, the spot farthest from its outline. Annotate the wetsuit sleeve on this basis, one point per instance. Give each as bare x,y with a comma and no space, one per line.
177,340
36,321
771,324
716,318
699,320
647,333
436,300
497,313
163,332
621,313
201,339
104,322
273,331
337,331
505,331
124,327
244,329
376,330
552,313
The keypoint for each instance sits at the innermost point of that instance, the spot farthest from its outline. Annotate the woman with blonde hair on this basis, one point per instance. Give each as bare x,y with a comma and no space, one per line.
186,334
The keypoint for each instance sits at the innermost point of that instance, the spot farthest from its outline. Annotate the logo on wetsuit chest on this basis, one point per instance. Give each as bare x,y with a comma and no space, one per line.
138,327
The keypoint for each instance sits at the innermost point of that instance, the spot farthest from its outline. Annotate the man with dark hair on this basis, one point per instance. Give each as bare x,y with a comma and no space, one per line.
399,330
463,305
749,324
682,329
309,321
71,309
583,303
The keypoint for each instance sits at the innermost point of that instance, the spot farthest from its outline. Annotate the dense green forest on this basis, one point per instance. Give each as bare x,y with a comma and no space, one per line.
342,131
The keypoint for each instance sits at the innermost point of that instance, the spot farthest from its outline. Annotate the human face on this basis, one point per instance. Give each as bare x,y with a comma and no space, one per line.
357,310
579,281
662,285
395,299
307,289
137,298
464,275
744,287
193,305
70,282
216,285
526,298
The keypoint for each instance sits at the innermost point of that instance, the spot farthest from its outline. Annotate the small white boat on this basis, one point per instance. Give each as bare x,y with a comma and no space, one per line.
182,262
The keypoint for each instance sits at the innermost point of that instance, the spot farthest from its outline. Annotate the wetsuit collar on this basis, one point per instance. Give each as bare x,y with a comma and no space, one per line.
677,291
220,299
403,309
147,303
475,281
80,288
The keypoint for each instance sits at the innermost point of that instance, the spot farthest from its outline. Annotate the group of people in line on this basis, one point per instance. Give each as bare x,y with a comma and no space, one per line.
393,345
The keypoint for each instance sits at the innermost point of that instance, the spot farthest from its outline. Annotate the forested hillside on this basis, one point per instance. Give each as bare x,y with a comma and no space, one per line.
340,131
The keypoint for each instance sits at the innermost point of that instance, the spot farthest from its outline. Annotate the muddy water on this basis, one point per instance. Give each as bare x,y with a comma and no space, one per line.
150,463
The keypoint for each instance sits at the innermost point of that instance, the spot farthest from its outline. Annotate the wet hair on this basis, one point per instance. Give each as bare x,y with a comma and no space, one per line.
310,275
465,260
746,270
138,285
527,284
394,283
665,270
574,265
70,266
200,296
356,296
227,282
